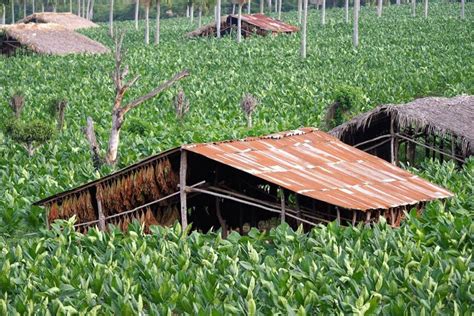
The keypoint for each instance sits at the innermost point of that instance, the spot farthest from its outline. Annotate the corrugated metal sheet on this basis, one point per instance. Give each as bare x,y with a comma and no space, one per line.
267,23
317,165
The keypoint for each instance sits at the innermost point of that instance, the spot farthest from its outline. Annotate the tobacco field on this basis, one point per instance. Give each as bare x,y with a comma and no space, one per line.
424,267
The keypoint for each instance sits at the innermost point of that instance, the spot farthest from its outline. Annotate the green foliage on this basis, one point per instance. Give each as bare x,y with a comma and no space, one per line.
30,134
346,98
424,267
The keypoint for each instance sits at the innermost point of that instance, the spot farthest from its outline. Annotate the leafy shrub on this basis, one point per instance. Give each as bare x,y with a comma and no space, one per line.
31,135
347,100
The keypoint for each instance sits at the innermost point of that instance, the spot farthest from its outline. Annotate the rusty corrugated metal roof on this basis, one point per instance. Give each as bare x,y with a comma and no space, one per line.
267,23
312,163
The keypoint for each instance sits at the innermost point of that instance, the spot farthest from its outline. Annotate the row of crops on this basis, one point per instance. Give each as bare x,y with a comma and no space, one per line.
423,267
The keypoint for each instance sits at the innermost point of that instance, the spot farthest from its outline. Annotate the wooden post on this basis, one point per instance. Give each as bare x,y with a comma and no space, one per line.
46,216
338,218
182,188
298,210
392,217
453,145
354,217
282,194
393,152
441,147
427,143
434,146
367,217
101,215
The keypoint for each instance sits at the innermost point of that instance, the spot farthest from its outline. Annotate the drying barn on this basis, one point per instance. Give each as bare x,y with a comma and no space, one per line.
252,24
431,127
46,38
303,177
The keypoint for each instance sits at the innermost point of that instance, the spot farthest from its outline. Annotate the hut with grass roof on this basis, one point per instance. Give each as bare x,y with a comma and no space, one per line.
47,38
67,20
433,127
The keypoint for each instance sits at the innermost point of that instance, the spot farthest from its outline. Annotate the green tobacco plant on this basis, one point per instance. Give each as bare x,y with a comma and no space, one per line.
346,100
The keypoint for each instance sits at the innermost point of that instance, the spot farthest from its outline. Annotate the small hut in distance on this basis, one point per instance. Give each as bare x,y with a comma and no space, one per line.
432,127
46,38
252,24
67,20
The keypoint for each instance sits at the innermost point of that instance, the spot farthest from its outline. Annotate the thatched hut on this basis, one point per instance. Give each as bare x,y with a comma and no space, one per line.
427,127
67,20
252,24
303,177
48,38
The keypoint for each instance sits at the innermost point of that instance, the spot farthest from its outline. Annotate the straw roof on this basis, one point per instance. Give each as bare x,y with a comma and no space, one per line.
53,39
68,20
451,116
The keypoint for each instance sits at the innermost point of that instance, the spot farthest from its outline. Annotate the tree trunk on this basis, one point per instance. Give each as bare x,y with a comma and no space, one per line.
462,9
3,22
218,20
24,8
187,11
304,27
323,13
346,10
158,15
233,8
137,10
413,8
200,17
78,7
426,8
83,8
33,6
276,6
300,11
42,7
93,145
54,8
114,138
91,12
279,9
13,12
379,8
70,6
192,13
269,6
239,25
262,6
355,35
88,7
147,23
111,18
248,6
398,2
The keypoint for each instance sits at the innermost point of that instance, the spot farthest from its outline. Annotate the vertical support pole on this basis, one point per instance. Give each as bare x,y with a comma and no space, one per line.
392,217
367,217
338,218
298,210
453,145
182,188
46,216
441,148
101,215
283,211
354,217
434,146
427,143
392,140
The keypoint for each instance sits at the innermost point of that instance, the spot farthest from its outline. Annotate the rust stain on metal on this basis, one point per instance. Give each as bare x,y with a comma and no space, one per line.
267,23
314,164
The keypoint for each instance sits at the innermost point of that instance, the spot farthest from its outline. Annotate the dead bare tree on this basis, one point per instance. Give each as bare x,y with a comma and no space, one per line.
181,105
248,105
17,102
119,111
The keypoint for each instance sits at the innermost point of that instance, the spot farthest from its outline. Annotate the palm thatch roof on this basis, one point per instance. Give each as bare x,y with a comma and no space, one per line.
51,39
68,20
434,115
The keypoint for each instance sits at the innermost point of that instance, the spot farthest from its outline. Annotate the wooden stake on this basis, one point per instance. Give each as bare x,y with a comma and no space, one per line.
101,215
354,217
182,188
298,210
283,212
338,218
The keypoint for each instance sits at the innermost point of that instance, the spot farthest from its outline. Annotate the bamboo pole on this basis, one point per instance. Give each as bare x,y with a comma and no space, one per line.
182,188
298,210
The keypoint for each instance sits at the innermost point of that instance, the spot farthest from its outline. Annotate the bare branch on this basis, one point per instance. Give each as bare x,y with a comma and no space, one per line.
155,91
94,146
